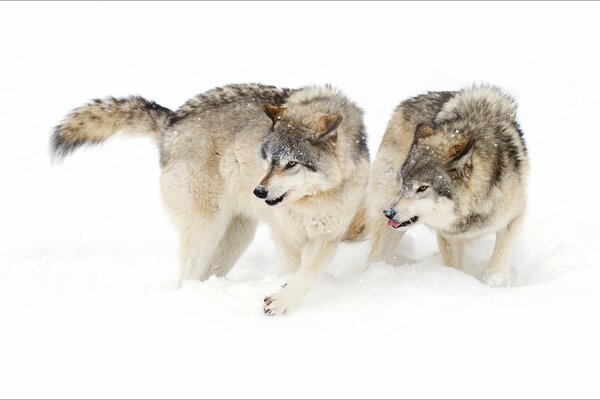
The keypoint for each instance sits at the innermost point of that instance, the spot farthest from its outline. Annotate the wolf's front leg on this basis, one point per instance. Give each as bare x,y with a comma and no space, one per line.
199,241
384,241
290,254
451,250
316,255
498,270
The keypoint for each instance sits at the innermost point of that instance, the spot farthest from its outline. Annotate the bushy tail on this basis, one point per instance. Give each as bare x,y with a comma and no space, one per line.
98,120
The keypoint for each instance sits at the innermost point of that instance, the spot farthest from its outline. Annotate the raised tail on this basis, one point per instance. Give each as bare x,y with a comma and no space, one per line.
98,120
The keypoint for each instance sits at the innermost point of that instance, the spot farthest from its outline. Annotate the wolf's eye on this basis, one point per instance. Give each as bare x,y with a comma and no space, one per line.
290,164
422,188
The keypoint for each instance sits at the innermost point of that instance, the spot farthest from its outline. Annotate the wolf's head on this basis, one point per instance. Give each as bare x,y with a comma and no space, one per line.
438,164
298,155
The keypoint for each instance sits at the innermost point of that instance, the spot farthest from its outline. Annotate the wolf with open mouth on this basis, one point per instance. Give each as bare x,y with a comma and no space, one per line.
457,163
294,158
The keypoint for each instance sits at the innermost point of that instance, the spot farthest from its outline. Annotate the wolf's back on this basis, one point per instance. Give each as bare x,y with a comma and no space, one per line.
98,120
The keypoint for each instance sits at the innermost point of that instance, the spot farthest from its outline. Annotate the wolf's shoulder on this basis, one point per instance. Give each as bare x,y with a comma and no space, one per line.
425,106
428,99
316,93
485,102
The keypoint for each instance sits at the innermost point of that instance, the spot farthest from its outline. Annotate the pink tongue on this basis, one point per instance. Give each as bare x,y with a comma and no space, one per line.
393,224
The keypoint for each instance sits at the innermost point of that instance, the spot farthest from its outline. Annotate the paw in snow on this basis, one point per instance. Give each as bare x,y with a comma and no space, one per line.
282,301
496,278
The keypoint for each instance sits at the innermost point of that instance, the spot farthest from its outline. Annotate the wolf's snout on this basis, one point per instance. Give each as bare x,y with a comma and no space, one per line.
261,192
389,213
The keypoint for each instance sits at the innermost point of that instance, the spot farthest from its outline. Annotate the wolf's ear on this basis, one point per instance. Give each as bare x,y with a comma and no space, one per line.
424,129
460,154
326,125
273,112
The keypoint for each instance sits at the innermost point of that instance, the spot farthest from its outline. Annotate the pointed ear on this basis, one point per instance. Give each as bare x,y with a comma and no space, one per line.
326,125
460,153
424,129
273,112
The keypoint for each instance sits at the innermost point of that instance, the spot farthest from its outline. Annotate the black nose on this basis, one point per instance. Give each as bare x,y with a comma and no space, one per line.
388,212
261,192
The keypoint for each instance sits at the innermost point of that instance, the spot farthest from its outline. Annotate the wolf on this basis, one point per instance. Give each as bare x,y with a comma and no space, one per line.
243,153
456,162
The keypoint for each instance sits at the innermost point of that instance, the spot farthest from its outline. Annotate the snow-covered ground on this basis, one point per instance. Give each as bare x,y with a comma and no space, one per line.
88,256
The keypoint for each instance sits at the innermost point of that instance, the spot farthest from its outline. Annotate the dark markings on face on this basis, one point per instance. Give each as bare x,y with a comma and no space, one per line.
310,167
274,161
425,168
443,191
283,143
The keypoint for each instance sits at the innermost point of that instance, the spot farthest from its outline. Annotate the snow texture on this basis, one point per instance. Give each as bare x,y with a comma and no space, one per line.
88,257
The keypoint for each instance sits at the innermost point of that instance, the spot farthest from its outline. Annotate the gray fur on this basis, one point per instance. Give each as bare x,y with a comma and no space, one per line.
472,115
424,107
99,119
460,165
232,94
310,162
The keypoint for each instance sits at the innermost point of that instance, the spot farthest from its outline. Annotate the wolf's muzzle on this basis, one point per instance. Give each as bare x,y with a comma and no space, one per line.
389,213
261,192
276,201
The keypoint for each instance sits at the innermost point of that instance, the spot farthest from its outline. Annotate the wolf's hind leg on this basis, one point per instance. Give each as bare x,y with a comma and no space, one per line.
498,270
451,251
238,236
199,242
199,213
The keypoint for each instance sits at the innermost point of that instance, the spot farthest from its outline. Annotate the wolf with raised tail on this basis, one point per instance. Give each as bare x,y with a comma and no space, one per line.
456,162
239,154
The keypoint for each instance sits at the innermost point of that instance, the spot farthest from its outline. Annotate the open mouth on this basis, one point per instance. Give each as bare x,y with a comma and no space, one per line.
276,201
397,225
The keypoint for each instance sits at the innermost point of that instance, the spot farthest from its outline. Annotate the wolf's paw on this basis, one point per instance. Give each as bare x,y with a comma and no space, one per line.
497,279
280,302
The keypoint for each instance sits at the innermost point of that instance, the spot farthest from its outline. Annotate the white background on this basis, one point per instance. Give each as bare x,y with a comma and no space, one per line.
87,255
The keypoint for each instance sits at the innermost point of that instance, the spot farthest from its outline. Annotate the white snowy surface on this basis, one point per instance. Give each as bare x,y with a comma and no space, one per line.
88,257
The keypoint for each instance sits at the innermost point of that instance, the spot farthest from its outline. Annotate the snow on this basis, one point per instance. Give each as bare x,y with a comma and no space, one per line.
88,257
